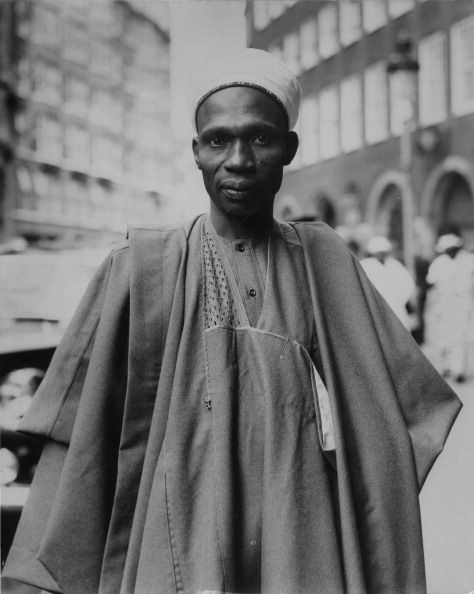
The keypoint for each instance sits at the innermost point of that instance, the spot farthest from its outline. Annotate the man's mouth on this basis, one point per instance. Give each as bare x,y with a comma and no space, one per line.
238,189
236,193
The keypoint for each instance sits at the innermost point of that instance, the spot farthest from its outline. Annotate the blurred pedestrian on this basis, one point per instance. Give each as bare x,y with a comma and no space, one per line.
421,265
451,281
16,392
390,277
233,408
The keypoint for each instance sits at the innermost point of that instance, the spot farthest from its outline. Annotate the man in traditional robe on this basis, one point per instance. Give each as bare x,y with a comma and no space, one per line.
234,408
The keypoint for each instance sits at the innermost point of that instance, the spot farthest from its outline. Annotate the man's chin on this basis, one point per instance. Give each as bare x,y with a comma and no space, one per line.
241,211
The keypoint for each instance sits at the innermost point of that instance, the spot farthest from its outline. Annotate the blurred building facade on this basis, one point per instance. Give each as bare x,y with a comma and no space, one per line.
6,103
88,131
348,169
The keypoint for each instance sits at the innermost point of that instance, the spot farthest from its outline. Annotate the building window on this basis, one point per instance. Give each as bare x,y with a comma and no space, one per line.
291,52
105,61
349,22
276,50
76,95
24,77
374,14
261,18
106,156
398,7
309,43
106,109
23,18
275,9
47,83
48,137
81,7
76,42
76,145
25,186
462,67
103,18
46,25
329,122
376,103
309,133
351,113
265,11
97,202
48,189
328,37
432,79
76,200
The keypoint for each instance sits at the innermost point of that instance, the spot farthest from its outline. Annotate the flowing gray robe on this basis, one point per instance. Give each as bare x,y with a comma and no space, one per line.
129,380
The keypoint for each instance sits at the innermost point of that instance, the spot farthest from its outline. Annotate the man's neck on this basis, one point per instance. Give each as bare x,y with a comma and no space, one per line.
237,227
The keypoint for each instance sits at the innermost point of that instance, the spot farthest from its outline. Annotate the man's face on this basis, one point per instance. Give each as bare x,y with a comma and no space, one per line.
242,145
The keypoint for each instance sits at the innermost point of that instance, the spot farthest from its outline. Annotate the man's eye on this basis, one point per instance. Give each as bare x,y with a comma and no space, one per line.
217,141
262,139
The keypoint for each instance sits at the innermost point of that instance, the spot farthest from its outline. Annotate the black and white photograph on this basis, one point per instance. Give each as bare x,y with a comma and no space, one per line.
237,296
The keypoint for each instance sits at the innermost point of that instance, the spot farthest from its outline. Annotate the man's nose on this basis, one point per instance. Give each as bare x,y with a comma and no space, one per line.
240,156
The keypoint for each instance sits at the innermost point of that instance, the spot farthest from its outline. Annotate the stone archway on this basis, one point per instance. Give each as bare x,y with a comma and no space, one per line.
389,216
453,205
448,198
389,195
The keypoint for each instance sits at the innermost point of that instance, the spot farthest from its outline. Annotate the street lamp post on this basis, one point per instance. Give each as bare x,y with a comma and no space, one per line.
403,67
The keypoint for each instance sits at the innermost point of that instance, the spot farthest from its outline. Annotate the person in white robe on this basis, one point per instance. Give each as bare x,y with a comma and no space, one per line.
451,278
390,277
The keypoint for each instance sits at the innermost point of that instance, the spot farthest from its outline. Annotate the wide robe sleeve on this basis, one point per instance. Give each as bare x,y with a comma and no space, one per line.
392,413
94,410
52,414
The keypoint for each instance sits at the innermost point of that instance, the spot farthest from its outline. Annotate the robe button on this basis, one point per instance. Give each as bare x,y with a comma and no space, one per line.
252,293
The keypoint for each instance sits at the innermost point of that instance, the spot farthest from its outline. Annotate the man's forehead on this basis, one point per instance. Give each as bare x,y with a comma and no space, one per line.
240,105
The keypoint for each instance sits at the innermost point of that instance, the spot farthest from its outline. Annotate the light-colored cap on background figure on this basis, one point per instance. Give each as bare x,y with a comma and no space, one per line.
379,244
447,242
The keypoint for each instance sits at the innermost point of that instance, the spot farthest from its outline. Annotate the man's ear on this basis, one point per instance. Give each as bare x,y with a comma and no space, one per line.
195,151
292,143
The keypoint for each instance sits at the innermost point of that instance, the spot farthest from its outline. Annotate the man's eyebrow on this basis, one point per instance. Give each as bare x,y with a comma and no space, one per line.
215,131
232,131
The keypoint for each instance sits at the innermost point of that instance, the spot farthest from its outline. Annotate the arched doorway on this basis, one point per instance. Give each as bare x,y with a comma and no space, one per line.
453,206
389,217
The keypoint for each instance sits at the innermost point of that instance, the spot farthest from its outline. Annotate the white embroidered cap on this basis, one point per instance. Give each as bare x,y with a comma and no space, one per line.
248,67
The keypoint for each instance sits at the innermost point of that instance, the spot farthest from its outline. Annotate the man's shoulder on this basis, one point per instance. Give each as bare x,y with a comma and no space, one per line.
316,234
142,243
176,229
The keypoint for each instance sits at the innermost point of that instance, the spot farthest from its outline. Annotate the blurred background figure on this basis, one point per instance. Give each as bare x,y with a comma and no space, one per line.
16,391
390,277
451,280
19,454
421,267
